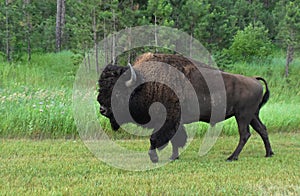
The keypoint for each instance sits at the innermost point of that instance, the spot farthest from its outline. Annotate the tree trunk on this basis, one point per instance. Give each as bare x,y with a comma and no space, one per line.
289,59
8,47
106,54
113,52
28,28
88,61
266,3
60,21
155,33
58,27
131,53
95,40
63,19
191,45
131,5
129,46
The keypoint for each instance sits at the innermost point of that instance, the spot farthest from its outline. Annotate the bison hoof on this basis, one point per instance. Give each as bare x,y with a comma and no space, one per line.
174,157
270,154
153,156
231,158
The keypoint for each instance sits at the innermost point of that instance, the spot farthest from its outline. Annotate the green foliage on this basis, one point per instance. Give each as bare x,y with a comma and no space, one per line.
161,9
289,26
213,22
193,18
251,44
35,97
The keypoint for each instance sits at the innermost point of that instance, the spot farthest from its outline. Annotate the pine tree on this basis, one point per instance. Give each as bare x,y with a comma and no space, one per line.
60,22
28,27
289,31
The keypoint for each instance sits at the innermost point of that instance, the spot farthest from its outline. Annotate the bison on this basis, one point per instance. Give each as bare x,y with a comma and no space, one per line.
244,99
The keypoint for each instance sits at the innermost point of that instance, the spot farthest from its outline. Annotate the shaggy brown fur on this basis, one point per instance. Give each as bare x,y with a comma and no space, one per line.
243,95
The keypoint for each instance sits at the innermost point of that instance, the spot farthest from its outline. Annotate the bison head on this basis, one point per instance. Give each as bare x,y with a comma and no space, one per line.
107,81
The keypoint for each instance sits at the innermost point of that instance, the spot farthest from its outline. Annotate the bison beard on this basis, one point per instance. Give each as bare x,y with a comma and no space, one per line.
244,99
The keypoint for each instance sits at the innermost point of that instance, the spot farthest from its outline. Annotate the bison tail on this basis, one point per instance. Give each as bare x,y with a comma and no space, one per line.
267,93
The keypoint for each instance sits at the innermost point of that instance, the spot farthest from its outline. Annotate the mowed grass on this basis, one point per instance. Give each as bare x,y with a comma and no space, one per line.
67,167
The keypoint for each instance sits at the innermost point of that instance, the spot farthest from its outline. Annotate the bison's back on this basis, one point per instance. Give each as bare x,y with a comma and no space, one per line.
177,79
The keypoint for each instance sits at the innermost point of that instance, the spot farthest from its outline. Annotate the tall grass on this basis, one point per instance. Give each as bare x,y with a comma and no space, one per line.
282,89
36,97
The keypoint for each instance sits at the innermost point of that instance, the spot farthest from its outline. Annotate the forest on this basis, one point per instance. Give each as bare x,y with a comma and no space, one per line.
230,30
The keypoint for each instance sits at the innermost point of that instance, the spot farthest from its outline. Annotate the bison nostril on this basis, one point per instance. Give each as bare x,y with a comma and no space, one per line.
103,110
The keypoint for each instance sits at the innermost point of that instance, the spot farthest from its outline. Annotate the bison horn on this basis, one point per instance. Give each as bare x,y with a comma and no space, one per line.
132,80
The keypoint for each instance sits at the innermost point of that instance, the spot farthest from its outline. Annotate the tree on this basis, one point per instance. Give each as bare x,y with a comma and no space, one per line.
28,26
13,29
60,22
160,12
8,35
177,6
221,26
251,44
43,24
289,31
194,17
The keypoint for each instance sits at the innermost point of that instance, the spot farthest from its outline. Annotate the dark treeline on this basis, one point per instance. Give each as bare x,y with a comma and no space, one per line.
28,26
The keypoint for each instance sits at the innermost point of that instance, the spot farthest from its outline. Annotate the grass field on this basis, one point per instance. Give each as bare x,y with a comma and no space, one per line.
66,167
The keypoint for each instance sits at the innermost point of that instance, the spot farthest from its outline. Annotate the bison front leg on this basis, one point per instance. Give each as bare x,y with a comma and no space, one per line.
178,140
152,151
159,140
175,153
153,155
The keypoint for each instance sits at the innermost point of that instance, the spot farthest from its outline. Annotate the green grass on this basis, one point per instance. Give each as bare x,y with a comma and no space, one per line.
283,90
36,97
66,167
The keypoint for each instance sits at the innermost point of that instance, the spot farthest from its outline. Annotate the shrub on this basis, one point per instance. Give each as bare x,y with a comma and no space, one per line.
251,44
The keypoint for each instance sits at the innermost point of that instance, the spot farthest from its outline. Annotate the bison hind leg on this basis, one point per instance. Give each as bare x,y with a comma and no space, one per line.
260,128
244,132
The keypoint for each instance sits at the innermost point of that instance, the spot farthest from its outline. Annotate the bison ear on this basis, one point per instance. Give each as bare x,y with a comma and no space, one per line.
132,79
